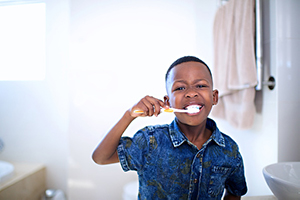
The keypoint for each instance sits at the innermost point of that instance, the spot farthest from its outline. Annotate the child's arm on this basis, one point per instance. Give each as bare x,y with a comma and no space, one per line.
106,151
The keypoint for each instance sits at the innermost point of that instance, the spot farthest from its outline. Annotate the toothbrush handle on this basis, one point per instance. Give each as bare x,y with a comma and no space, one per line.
141,112
138,111
170,110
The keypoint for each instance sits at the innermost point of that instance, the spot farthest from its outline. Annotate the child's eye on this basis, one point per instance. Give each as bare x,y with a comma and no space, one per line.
201,86
179,88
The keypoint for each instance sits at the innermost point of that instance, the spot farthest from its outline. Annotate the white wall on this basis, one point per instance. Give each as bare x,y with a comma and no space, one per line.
274,136
259,145
120,51
34,115
59,121
288,70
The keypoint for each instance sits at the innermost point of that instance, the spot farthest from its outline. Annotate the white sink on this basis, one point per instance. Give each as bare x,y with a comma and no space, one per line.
6,171
283,179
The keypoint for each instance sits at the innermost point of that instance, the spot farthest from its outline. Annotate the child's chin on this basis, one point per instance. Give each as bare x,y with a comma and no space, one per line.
190,122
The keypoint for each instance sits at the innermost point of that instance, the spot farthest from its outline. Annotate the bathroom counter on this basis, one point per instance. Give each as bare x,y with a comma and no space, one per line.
28,182
270,197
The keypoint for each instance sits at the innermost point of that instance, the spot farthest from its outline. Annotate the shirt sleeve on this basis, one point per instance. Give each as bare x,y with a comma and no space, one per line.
236,183
133,152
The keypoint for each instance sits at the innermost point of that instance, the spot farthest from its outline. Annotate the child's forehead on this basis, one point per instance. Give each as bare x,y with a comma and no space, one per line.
192,67
187,69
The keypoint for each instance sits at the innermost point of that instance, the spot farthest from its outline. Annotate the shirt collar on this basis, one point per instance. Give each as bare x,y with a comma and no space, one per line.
178,138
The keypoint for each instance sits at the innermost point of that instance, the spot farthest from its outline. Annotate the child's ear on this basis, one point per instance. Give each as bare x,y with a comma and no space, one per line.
166,100
215,97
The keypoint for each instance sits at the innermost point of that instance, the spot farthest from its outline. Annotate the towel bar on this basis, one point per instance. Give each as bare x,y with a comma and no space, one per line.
270,83
259,51
259,45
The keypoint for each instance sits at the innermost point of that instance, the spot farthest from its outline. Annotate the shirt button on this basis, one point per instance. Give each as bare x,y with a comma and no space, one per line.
195,180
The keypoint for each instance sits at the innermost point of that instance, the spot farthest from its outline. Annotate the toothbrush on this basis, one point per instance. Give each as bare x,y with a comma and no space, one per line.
190,109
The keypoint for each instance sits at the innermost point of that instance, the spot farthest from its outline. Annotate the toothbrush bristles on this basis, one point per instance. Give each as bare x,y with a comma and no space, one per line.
193,109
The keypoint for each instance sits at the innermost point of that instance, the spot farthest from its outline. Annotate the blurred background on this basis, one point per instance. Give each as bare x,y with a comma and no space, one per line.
94,59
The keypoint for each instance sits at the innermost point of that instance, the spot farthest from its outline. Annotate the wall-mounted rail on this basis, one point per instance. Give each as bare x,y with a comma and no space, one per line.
259,50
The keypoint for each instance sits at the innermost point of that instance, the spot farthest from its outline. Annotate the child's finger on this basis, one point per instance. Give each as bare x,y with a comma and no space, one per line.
149,102
163,105
147,106
141,109
157,104
153,105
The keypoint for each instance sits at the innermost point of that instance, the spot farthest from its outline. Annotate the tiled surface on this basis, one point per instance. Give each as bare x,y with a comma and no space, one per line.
288,66
288,19
288,60
289,139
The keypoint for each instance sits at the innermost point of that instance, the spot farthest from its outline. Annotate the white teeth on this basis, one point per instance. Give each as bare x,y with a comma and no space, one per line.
193,108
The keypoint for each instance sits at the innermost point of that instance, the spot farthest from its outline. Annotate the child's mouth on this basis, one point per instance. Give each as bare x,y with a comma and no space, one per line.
193,109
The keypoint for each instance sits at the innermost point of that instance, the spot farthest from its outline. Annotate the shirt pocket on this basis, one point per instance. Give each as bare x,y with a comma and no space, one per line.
218,176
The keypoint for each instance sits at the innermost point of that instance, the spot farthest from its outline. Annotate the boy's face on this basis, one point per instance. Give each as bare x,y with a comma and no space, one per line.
190,83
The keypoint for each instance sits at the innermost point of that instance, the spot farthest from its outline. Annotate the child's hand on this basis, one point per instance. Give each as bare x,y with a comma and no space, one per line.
149,106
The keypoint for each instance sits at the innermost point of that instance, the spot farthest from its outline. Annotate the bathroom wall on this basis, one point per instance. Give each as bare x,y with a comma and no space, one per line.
274,136
120,51
95,65
287,40
259,145
34,115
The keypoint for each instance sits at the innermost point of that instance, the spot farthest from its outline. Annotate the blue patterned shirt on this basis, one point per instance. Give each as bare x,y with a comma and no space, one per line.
169,166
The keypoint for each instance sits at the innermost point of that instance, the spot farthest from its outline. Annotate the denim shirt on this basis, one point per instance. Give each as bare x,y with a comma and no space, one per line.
169,166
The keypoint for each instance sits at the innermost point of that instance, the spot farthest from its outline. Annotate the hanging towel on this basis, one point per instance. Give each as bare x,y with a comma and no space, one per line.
234,63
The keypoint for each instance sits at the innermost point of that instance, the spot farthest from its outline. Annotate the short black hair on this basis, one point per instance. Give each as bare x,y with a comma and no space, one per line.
186,59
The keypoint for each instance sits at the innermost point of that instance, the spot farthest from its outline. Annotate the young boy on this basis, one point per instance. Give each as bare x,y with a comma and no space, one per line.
187,159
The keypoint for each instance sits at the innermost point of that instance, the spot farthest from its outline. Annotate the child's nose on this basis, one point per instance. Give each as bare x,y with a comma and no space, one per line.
191,93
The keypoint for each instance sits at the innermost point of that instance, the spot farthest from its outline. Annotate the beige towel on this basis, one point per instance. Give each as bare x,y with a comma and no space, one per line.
234,63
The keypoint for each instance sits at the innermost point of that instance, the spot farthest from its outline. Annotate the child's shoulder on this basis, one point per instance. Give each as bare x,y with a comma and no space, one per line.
229,142
152,129
158,132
